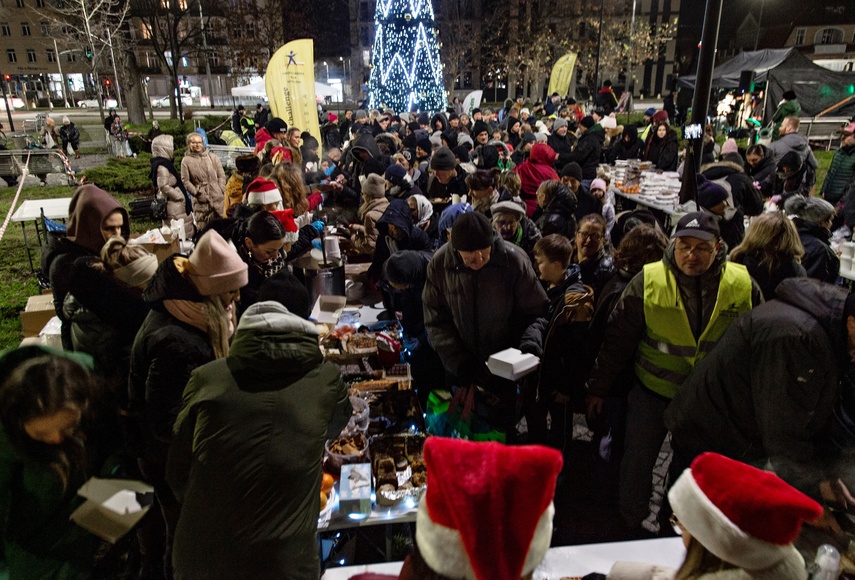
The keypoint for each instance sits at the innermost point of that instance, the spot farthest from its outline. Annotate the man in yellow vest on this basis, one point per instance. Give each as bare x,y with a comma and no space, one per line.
668,318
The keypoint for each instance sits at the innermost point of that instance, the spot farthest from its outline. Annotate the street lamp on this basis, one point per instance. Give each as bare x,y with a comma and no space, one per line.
328,71
344,73
61,78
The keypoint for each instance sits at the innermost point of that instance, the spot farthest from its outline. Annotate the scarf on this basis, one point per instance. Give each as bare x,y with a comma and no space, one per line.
197,315
264,269
170,167
424,209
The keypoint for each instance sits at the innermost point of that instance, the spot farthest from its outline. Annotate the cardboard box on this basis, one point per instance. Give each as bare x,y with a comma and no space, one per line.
327,309
112,507
512,364
163,251
38,311
355,489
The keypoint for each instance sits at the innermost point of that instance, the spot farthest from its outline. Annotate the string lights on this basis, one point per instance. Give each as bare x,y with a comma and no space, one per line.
406,73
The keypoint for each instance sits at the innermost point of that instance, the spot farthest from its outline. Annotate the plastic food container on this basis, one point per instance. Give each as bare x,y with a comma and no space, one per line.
512,364
336,459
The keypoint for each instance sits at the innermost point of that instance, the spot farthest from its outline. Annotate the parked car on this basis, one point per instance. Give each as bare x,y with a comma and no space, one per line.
93,104
17,103
186,100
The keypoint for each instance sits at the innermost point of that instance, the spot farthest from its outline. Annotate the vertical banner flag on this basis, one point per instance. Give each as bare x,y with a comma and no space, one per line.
290,85
562,74
472,101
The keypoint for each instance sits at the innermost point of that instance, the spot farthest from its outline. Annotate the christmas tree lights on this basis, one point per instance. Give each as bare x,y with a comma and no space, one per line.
406,73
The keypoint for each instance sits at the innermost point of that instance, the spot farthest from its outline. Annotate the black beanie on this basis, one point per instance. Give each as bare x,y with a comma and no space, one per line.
406,267
572,169
480,127
373,166
425,144
587,122
462,153
471,231
283,287
424,119
443,158
791,160
414,126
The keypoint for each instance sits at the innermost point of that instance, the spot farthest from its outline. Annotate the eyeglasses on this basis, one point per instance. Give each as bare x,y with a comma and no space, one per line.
507,224
593,236
675,523
697,250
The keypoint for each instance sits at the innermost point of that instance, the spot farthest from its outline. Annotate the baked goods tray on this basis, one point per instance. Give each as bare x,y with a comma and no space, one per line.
398,468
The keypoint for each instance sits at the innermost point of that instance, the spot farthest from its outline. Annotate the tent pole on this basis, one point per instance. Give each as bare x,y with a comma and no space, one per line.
703,80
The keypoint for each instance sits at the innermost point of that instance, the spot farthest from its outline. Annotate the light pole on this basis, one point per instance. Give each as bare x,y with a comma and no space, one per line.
629,55
328,71
599,47
344,75
115,70
207,60
759,21
61,78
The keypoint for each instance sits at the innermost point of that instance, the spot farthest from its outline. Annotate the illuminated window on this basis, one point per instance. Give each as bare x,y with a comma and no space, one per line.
10,55
145,31
25,28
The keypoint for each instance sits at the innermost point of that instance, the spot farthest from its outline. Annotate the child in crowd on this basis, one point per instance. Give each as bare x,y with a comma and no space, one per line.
558,339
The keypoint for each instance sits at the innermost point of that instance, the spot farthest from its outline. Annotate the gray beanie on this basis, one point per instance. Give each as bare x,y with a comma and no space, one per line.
374,186
811,209
558,123
443,158
360,114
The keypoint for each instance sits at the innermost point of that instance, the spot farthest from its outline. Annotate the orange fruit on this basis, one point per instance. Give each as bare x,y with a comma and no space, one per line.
327,482
323,501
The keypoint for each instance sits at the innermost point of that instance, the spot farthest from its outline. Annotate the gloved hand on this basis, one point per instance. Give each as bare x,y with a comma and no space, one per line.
317,244
319,225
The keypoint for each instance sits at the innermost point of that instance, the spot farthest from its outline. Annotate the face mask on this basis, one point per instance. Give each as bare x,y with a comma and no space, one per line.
782,176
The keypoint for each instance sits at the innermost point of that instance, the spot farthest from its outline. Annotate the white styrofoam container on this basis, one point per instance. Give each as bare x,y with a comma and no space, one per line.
511,364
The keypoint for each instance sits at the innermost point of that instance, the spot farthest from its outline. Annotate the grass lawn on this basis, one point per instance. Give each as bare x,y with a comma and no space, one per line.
17,281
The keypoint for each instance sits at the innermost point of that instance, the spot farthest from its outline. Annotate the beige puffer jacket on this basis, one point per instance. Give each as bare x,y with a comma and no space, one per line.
167,184
203,176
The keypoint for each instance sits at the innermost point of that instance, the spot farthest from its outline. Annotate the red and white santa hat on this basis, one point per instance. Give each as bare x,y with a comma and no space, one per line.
262,191
745,516
488,510
286,218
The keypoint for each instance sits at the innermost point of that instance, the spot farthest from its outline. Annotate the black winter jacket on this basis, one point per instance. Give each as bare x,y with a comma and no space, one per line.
597,272
563,147
745,196
773,407
559,339
768,281
165,353
58,257
557,217
462,306
663,152
588,151
819,260
629,146
763,170
397,214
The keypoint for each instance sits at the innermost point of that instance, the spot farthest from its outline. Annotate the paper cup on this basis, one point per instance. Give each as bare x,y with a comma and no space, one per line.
847,249
332,247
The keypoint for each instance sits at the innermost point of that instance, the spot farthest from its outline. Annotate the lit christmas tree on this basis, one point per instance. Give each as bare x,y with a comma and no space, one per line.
406,74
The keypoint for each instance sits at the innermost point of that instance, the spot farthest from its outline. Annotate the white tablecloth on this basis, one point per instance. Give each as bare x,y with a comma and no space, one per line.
566,560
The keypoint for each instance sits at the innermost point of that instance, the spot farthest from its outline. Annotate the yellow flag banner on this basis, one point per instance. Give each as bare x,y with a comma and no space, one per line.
290,85
562,74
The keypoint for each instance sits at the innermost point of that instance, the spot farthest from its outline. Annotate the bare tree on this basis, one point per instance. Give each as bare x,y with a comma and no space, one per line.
174,29
88,26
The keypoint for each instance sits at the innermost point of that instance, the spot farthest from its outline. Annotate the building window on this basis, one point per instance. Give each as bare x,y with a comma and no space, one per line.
19,3
829,36
10,55
800,36
250,29
31,55
51,55
45,28
40,3
365,11
25,28
237,31
366,57
145,31
365,36
7,30
71,56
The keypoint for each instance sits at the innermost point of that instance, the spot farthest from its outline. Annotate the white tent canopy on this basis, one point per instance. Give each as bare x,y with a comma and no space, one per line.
257,89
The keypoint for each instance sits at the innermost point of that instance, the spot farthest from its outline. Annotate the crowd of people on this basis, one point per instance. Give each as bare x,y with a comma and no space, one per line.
202,374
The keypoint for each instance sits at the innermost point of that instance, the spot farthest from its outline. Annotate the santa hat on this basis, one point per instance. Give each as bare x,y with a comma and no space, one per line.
486,494
743,515
261,192
286,218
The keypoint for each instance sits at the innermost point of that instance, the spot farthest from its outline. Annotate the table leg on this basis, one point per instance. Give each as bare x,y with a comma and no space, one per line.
27,246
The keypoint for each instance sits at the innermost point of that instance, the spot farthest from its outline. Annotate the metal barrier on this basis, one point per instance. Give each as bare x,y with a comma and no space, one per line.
822,129
227,154
42,161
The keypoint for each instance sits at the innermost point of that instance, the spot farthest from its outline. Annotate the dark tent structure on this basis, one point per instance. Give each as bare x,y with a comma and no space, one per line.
817,88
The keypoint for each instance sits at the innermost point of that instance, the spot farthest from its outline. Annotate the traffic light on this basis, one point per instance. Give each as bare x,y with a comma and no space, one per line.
89,53
8,78
107,82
